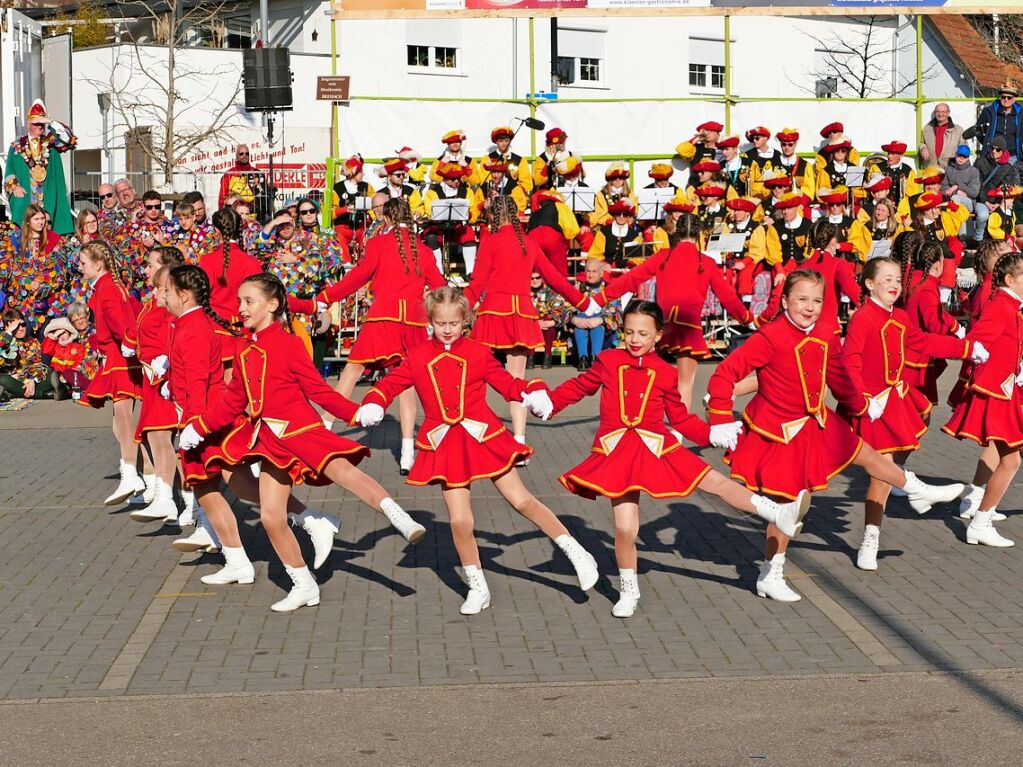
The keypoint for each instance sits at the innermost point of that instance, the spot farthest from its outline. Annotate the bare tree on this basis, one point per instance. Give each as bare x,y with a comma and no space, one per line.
158,90
1003,32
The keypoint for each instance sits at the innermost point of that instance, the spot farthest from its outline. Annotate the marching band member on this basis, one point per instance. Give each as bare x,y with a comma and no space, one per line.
552,226
881,225
346,192
878,187
416,170
453,185
927,180
545,167
704,173
661,173
610,239
711,213
702,146
735,168
395,171
616,188
836,206
773,185
940,222
741,212
832,174
834,133
1001,222
453,154
761,157
793,229
518,168
673,211
898,171
497,181
800,170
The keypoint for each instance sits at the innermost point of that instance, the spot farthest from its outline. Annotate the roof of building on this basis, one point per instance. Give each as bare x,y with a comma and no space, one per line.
970,47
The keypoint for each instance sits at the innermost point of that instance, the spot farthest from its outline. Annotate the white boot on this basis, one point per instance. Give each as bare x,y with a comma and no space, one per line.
866,558
238,569
628,595
469,257
583,562
771,583
204,538
131,484
162,507
971,503
478,598
187,516
408,455
980,530
787,517
321,528
923,496
147,495
304,593
521,439
402,522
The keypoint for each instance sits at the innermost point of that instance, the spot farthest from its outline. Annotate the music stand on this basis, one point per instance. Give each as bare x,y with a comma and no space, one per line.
717,244
880,249
652,202
578,199
449,214
854,176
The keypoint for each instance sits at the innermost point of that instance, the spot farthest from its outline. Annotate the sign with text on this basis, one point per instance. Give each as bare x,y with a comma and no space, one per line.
332,87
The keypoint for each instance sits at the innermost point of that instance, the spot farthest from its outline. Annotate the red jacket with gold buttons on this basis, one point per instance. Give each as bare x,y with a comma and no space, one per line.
838,278
274,381
114,315
398,284
638,392
924,311
452,386
794,370
1000,329
877,341
196,374
153,331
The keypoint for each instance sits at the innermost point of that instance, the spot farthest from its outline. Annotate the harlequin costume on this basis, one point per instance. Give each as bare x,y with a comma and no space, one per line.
924,310
224,297
991,409
270,392
153,337
128,242
633,448
461,439
874,352
792,440
684,275
506,317
39,266
193,243
114,315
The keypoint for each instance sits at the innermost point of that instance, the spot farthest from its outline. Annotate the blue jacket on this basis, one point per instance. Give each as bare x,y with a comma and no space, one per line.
986,122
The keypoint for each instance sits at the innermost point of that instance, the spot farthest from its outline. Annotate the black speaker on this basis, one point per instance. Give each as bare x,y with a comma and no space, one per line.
266,75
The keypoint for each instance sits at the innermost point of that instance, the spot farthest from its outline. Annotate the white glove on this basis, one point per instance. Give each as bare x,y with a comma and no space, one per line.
592,309
966,278
190,438
127,352
539,404
875,408
961,332
980,353
165,390
321,307
160,365
725,434
61,130
369,415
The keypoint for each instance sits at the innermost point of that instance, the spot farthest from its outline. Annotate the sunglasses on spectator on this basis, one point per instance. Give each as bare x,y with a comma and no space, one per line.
154,207
106,196
307,211
788,143
1006,97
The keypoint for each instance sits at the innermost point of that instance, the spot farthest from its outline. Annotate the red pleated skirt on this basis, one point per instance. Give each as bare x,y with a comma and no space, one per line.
220,450
682,340
117,379
901,426
985,419
460,460
631,467
808,462
305,455
383,343
156,414
509,331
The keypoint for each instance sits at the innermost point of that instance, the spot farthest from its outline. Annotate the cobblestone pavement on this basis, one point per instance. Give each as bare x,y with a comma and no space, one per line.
92,603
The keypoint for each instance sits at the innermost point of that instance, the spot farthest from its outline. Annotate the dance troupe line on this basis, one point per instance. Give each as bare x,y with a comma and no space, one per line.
211,355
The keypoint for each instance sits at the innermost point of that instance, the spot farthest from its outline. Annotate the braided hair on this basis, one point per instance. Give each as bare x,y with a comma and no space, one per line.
100,251
228,224
821,233
986,257
686,228
503,210
398,212
1010,263
904,247
870,270
193,280
272,288
169,255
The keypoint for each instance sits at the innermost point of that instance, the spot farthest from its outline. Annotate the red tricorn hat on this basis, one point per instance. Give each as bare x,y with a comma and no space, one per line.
775,179
835,127
787,134
495,166
729,143
930,176
393,165
790,200
660,171
616,170
678,205
878,182
353,165
839,196
895,147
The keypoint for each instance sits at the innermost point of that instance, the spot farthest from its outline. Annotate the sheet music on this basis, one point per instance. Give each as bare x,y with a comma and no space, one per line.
652,202
578,199
879,249
455,209
363,203
854,176
727,243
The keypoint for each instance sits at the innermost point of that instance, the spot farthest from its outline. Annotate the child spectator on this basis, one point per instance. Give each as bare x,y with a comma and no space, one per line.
67,357
23,373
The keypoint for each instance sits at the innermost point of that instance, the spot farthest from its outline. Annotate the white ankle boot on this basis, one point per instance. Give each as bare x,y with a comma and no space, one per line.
187,516
408,455
866,557
923,496
238,569
521,439
162,507
787,517
771,583
412,531
478,598
972,499
131,484
203,538
981,531
305,592
583,562
628,595
148,495
321,528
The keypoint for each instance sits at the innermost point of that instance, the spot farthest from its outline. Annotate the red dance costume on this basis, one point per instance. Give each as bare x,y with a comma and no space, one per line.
396,320
114,316
633,449
157,413
224,298
461,439
273,381
196,378
792,441
506,317
990,409
875,348
923,307
839,277
684,275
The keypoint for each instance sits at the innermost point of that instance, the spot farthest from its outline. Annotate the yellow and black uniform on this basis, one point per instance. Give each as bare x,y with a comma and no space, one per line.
794,240
609,243
345,196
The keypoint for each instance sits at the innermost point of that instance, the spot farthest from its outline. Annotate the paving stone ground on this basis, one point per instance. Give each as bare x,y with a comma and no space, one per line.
84,590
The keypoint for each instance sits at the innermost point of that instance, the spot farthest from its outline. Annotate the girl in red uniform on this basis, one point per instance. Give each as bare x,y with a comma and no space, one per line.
634,450
462,440
273,383
878,336
990,409
839,278
401,268
793,440
158,420
506,319
119,378
684,275
226,266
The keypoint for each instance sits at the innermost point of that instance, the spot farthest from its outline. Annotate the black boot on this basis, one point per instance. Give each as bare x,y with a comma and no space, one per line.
581,364
548,361
530,361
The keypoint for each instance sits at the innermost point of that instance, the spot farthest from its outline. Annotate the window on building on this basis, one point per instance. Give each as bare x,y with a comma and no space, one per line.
706,63
433,44
445,58
581,55
717,76
419,55
238,32
589,70
698,75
